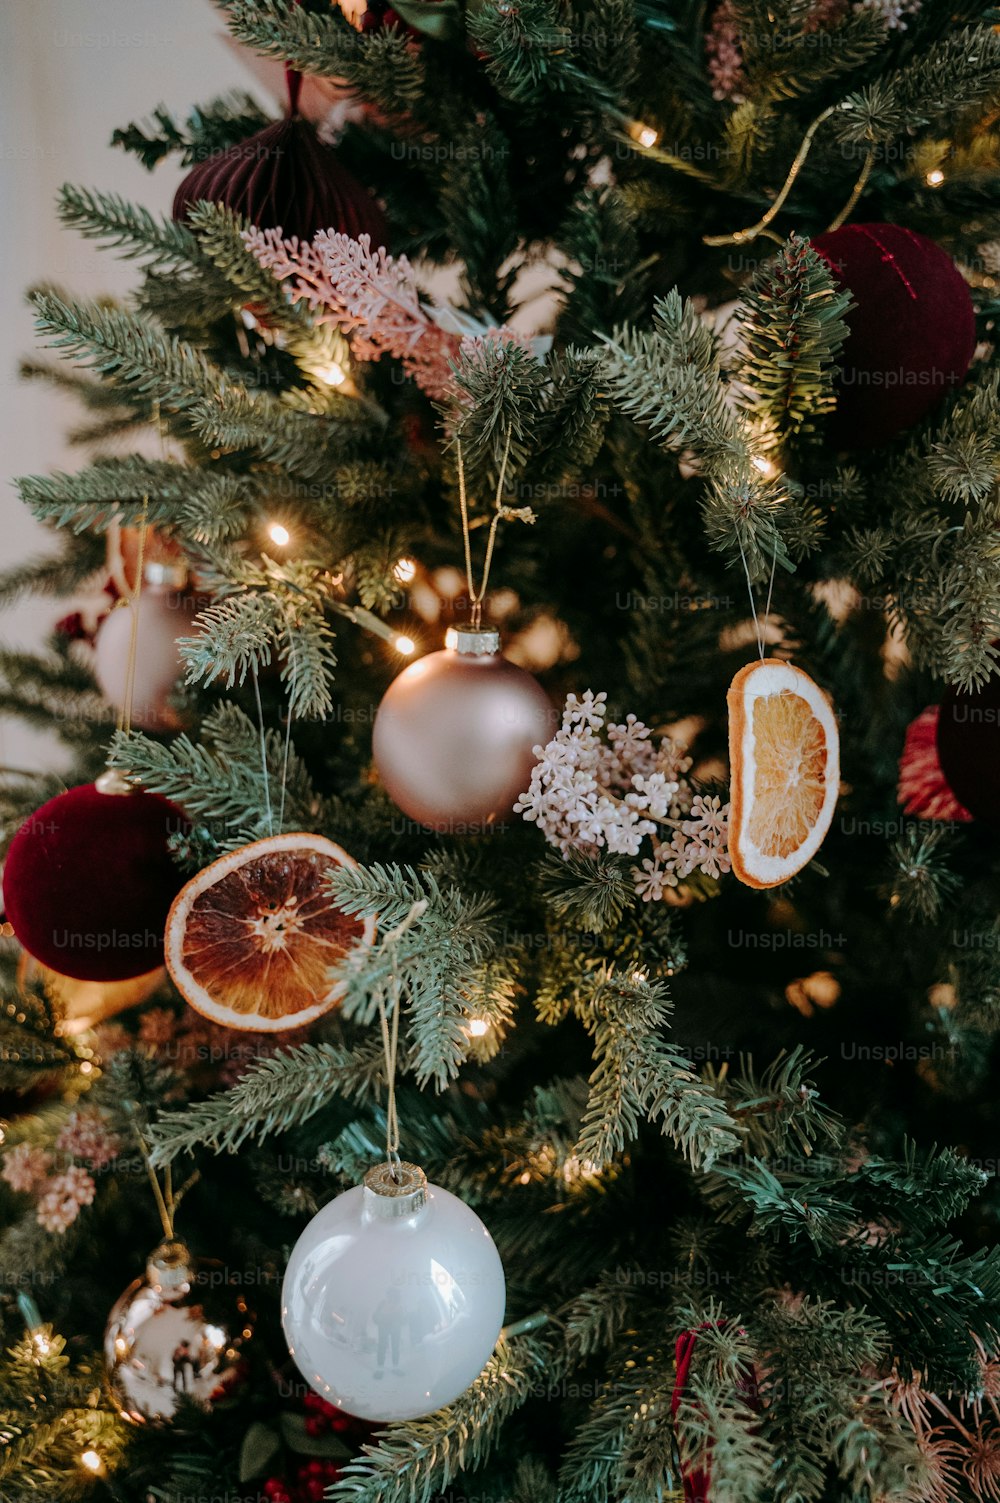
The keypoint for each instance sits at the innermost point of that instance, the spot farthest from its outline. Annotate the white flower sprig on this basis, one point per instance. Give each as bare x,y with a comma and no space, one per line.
598,787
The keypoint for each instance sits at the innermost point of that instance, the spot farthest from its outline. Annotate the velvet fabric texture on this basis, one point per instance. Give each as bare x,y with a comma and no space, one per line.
89,879
283,177
968,731
912,331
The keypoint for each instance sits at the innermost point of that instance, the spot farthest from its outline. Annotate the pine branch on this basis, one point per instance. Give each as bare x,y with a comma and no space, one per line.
718,1430
272,1096
638,1073
128,350
382,68
608,282
270,608
114,490
780,1110
497,390
138,234
218,233
592,1322
447,965
670,378
590,891
208,129
958,73
920,881
412,1462
50,688
532,60
53,574
224,787
309,445
628,1415
792,329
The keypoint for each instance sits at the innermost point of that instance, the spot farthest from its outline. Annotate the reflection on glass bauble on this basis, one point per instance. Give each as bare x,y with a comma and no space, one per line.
174,1343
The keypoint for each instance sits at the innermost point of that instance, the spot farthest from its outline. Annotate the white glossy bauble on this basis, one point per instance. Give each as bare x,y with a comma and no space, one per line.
393,1298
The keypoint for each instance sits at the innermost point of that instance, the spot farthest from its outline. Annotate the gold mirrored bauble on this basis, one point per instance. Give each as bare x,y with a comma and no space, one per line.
174,1343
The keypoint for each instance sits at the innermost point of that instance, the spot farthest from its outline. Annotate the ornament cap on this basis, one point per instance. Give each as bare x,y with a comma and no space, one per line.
473,641
168,1269
389,1198
113,780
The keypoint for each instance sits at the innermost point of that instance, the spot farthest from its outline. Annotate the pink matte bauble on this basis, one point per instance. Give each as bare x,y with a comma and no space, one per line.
89,879
454,738
164,616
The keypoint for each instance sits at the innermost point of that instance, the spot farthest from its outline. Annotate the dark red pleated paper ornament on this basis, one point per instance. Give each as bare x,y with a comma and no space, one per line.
284,177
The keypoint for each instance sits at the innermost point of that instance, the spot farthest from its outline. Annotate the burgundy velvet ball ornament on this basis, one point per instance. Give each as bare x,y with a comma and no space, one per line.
89,879
968,744
283,177
912,331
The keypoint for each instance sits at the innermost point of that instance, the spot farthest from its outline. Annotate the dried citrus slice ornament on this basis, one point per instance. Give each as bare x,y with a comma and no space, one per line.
784,757
251,939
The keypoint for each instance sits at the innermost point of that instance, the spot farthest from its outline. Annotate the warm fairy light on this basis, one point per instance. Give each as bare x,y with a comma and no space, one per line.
403,570
574,1170
92,1461
645,135
525,1178
3,1131
934,178
767,467
405,645
41,1343
279,534
478,1027
332,374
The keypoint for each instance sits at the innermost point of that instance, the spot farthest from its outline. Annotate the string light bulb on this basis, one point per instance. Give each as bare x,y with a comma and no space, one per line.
279,534
934,178
478,1027
333,374
405,645
92,1461
767,467
403,570
644,135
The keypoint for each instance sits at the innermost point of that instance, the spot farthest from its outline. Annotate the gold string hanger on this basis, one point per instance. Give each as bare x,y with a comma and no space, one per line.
501,513
167,1200
751,232
390,1036
760,630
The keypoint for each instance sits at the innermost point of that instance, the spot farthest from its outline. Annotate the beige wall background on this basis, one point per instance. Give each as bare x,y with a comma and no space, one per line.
71,71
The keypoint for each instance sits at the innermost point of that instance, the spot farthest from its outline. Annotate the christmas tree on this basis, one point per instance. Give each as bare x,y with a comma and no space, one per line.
657,341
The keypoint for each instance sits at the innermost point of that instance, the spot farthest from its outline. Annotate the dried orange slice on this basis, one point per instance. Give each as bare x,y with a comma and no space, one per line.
784,757
250,940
